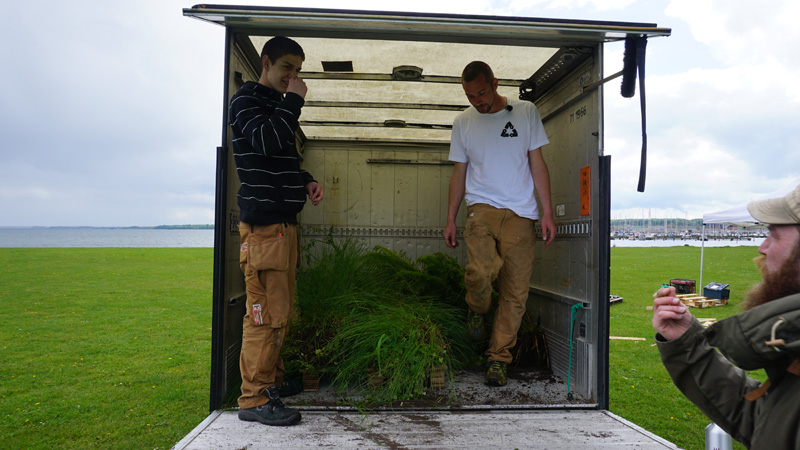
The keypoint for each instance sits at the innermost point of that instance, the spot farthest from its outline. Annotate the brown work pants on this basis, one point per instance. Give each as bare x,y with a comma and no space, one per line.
500,246
268,258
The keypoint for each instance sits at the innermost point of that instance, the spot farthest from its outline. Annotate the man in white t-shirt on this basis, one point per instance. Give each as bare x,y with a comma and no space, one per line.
496,148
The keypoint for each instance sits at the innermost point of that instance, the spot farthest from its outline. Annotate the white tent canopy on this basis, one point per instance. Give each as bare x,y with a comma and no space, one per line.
738,215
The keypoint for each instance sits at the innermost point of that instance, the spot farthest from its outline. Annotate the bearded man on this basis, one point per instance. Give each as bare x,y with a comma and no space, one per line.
767,335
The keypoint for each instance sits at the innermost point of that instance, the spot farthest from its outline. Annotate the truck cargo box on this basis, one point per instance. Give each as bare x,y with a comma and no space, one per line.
384,88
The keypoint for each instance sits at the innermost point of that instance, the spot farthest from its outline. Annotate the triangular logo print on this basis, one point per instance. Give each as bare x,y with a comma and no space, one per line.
509,131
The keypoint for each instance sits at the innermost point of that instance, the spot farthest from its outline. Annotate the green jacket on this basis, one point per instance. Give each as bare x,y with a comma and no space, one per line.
717,384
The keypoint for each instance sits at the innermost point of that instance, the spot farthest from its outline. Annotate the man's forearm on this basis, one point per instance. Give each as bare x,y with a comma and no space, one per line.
541,181
456,191
454,203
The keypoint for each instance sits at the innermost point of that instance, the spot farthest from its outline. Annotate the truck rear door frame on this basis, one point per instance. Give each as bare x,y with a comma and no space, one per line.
565,36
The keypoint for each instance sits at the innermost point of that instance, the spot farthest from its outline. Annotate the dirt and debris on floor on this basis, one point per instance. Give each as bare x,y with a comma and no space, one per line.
525,388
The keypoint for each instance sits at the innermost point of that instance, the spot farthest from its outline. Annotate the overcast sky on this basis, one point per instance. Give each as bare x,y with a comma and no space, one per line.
110,111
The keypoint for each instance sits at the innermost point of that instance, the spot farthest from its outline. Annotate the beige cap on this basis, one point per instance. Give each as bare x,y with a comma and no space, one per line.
777,211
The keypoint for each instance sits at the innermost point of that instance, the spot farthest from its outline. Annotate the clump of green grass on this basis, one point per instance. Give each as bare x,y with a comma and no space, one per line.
389,350
377,314
445,278
331,275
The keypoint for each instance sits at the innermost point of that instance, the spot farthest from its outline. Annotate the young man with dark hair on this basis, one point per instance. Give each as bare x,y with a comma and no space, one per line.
496,148
708,365
263,118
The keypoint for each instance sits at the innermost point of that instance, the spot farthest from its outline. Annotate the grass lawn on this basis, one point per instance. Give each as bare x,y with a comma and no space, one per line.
110,348
103,348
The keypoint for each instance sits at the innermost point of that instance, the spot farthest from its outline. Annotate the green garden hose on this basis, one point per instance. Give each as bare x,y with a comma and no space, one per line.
573,314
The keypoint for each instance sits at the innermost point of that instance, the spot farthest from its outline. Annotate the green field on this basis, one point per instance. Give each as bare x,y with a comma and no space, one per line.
110,348
103,348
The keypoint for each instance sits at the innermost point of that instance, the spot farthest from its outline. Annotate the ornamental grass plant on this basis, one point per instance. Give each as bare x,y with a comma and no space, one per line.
389,351
377,321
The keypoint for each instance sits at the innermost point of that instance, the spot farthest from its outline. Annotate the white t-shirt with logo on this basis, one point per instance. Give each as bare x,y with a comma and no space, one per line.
495,148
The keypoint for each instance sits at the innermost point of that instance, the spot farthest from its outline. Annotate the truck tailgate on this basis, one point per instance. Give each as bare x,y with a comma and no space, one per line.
541,429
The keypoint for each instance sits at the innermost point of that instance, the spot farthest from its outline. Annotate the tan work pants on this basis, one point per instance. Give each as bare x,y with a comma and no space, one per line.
268,258
500,245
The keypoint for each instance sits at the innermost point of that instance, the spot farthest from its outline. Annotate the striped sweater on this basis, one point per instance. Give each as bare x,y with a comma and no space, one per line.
263,125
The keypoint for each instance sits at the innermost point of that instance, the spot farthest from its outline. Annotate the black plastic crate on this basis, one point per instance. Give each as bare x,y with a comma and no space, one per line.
718,291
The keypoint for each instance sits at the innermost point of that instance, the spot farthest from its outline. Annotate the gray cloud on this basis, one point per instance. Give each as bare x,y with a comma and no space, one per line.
110,113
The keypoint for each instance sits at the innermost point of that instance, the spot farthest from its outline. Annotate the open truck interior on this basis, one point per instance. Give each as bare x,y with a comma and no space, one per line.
383,90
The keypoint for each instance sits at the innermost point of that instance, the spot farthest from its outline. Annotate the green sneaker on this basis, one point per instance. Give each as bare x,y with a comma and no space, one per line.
475,327
497,374
273,413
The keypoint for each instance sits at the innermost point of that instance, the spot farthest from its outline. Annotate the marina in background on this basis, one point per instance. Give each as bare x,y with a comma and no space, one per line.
684,232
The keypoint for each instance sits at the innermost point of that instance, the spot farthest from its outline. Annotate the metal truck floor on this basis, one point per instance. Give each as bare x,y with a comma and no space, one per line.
531,412
532,429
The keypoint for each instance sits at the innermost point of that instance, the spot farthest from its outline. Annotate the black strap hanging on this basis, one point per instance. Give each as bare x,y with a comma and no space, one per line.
633,61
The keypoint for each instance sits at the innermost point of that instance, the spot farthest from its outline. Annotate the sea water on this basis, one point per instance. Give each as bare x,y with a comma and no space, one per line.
105,237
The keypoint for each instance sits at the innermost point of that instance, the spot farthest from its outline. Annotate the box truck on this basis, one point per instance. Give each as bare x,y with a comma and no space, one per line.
383,90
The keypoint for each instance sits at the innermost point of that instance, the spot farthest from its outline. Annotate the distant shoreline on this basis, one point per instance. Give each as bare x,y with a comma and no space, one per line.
157,227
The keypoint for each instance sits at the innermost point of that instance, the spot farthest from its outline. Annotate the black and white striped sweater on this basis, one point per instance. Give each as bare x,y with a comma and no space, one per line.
263,124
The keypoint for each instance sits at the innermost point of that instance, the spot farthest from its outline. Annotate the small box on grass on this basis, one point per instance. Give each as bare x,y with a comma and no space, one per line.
682,285
718,291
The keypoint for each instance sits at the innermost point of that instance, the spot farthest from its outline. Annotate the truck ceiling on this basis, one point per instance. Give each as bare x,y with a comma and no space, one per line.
395,76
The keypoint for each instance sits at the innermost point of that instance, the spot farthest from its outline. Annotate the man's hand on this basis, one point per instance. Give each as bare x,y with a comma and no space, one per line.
450,232
548,229
670,317
314,190
297,86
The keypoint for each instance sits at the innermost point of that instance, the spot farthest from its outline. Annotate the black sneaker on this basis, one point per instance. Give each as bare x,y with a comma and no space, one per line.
273,413
290,387
475,327
497,374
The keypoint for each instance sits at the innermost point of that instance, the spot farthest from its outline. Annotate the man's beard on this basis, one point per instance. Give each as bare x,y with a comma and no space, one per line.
775,285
